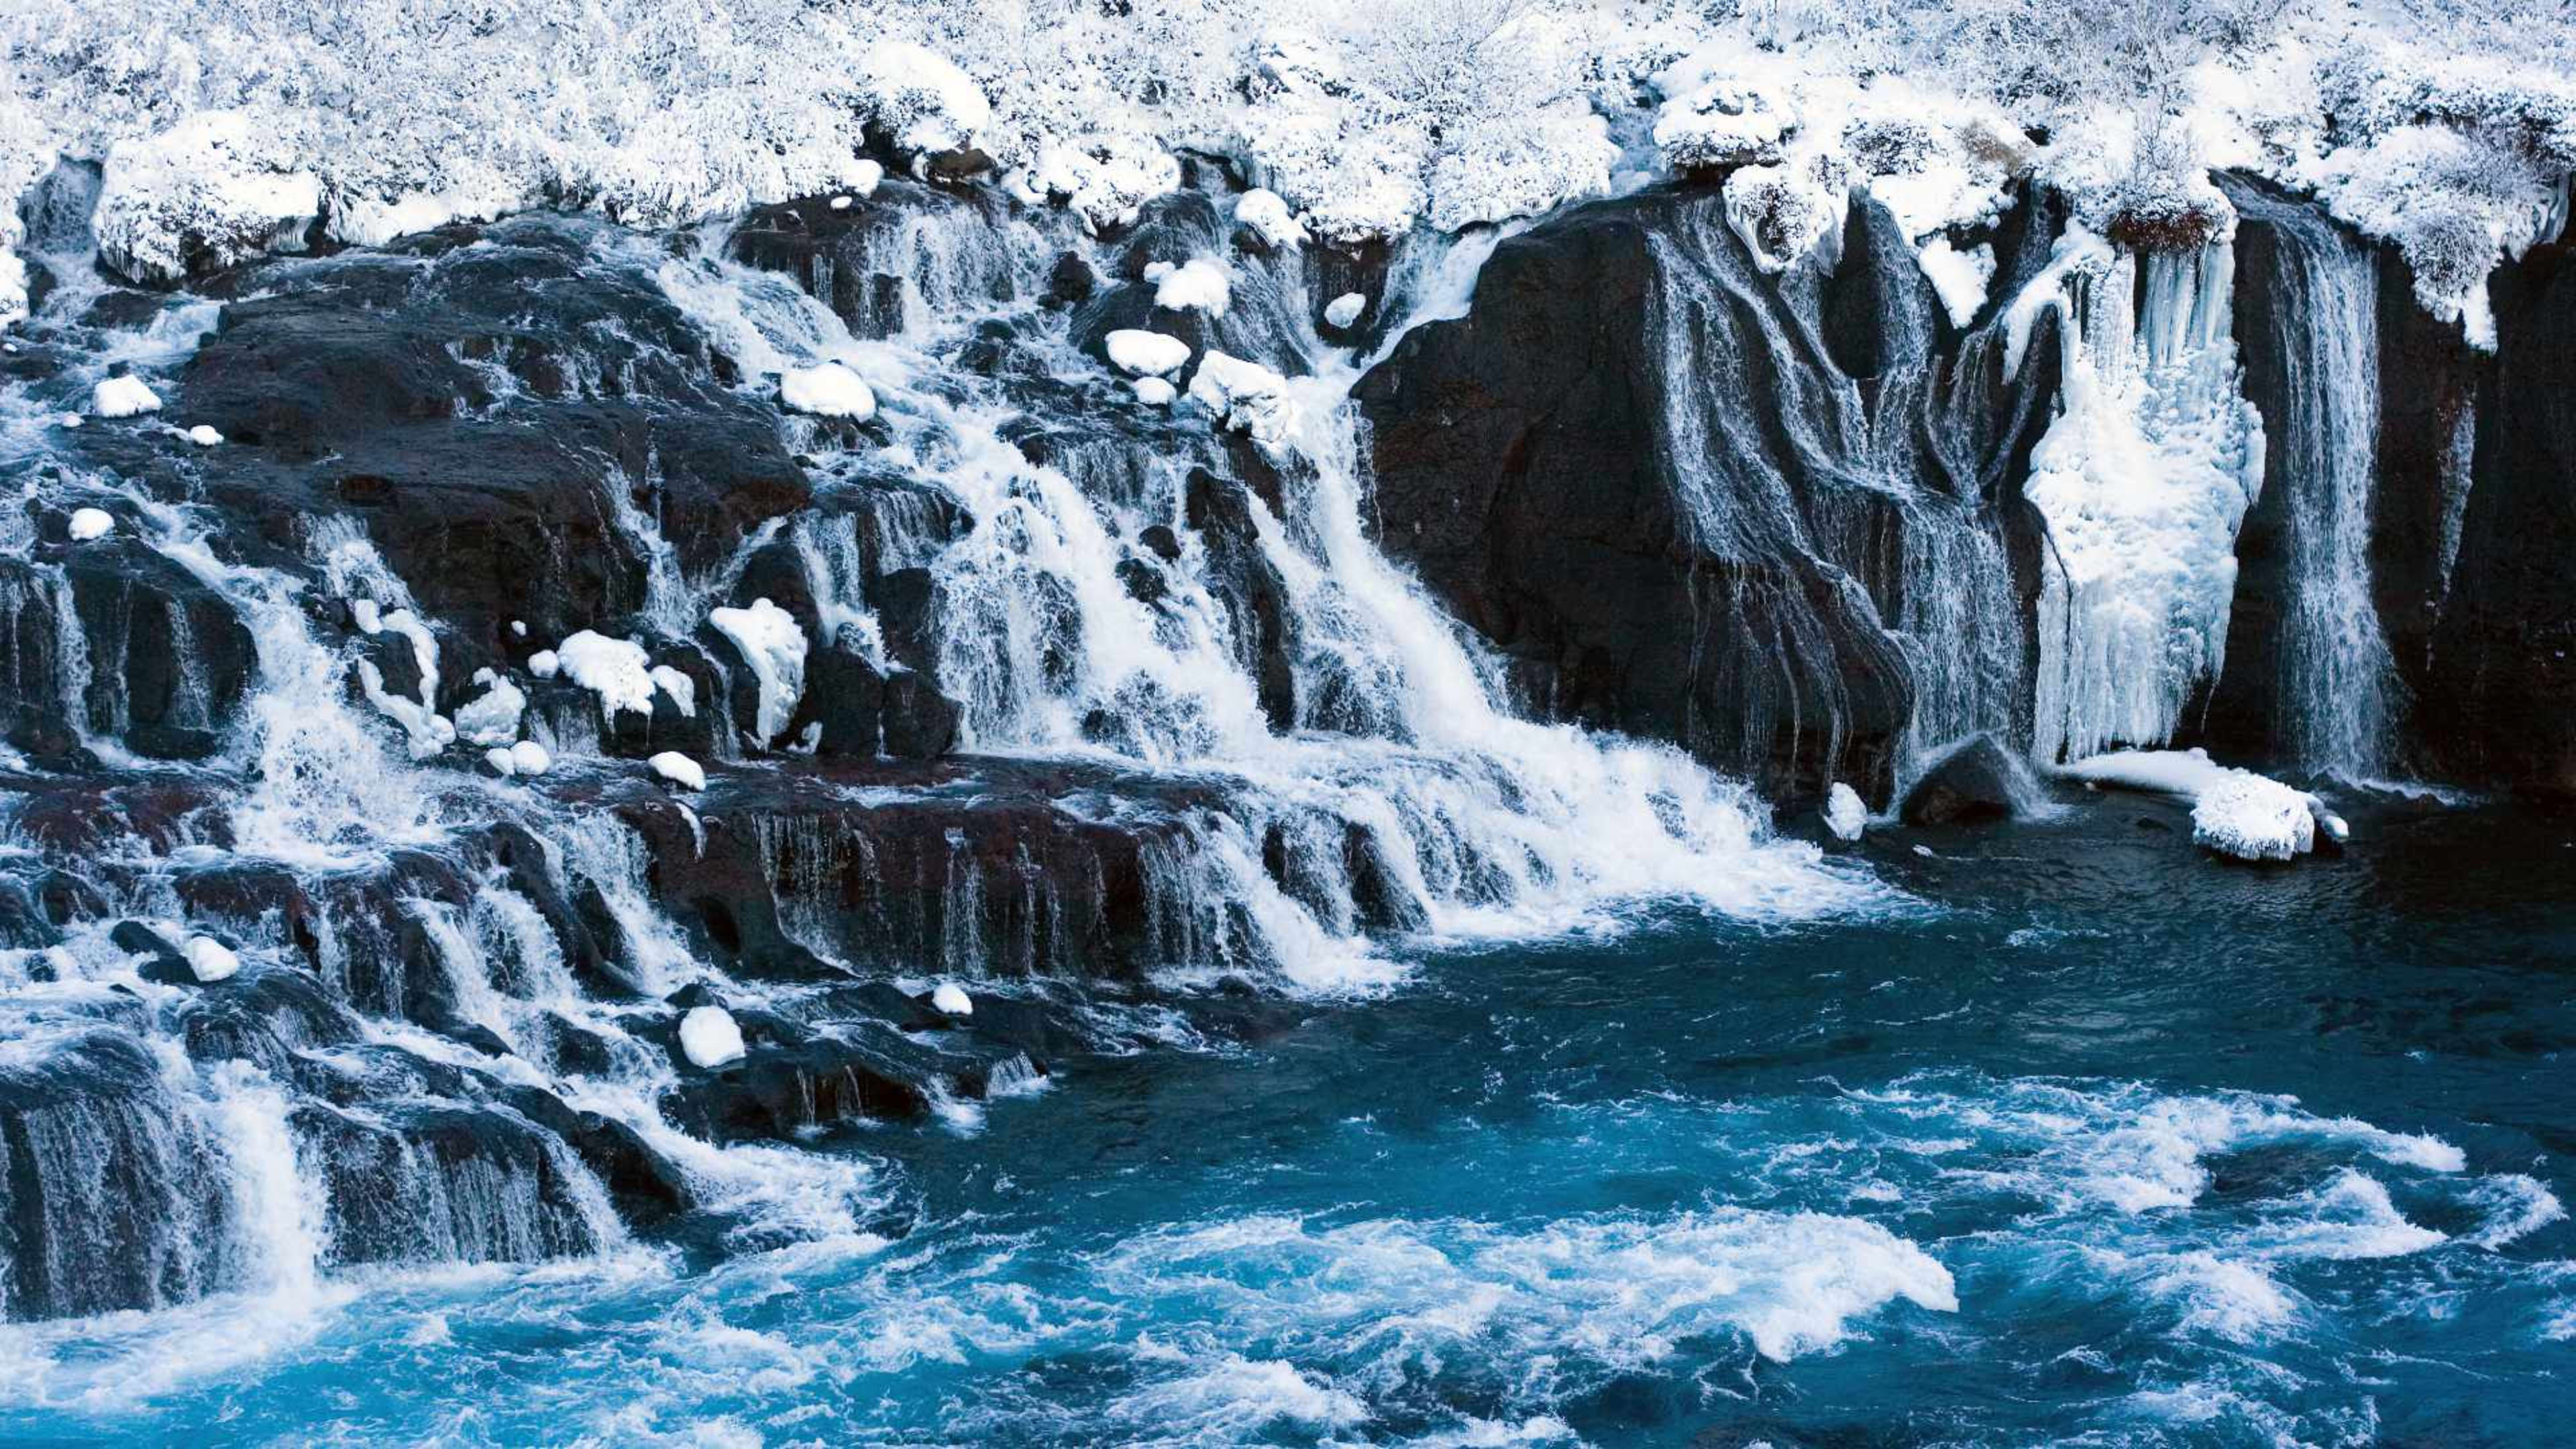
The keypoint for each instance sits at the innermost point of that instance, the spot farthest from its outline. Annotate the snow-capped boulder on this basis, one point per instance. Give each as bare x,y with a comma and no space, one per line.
1845,815
827,390
1264,213
1720,124
503,763
950,999
679,688
1345,309
204,436
923,101
91,523
773,644
123,396
1146,354
1520,165
211,960
1783,211
1155,392
2253,818
545,664
210,191
709,1037
491,720
527,757
678,769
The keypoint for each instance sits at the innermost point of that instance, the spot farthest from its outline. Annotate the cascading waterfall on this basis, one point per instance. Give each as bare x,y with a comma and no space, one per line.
1213,734
2143,479
2336,673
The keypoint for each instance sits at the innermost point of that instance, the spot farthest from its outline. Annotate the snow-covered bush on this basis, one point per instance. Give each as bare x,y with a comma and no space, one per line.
212,189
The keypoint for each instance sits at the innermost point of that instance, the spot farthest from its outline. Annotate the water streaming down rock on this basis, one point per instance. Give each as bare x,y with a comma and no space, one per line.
2306,610
1832,497
1211,734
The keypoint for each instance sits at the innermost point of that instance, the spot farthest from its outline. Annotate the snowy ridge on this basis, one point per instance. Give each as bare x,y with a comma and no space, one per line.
228,127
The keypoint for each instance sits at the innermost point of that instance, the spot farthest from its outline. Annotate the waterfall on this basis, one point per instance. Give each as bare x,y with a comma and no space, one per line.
2336,674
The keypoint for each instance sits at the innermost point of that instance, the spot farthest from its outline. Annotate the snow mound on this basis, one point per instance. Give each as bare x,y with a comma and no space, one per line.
91,523
204,436
1345,309
218,187
1246,397
1961,278
709,1037
2254,818
1785,211
503,763
1155,392
545,664
613,669
1196,285
528,757
1267,214
1845,815
679,770
773,644
1520,165
950,999
127,396
681,688
1146,354
827,390
210,960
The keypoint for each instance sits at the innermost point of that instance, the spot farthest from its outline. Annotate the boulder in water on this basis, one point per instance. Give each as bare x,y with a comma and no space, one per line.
1973,783
709,1037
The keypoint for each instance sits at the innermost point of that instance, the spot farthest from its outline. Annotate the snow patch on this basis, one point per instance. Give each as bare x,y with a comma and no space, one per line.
492,719
91,523
950,999
613,669
528,757
827,390
774,645
211,960
1345,309
709,1037
1246,397
1268,216
1196,285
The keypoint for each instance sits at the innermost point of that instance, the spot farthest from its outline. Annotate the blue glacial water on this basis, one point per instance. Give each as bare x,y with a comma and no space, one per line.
2101,1143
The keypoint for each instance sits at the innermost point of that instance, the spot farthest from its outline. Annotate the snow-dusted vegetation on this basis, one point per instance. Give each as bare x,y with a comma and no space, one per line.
227,126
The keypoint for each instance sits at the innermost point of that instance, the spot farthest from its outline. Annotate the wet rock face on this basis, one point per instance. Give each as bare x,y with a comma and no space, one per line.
487,402
1973,784
1718,580
2500,697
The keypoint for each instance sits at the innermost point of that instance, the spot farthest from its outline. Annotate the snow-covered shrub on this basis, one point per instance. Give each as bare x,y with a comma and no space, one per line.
1784,211
1723,123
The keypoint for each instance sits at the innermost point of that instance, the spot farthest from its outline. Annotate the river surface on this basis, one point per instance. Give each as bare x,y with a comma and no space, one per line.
2088,1138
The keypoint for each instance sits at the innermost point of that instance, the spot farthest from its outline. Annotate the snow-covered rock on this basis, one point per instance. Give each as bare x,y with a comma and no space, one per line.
1146,354
1961,278
1268,216
210,191
1155,392
492,719
90,523
503,763
679,770
1845,815
1246,397
545,664
1520,165
950,999
2235,812
923,100
527,757
204,436
828,390
123,396
1198,285
1345,309
614,669
210,960
1785,211
709,1037
773,644
1723,123
1106,178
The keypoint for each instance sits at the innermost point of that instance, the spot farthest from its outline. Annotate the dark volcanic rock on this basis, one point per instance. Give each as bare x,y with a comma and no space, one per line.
1731,599
1974,783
